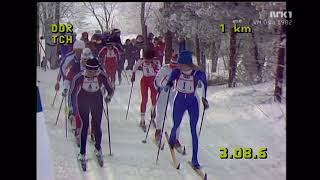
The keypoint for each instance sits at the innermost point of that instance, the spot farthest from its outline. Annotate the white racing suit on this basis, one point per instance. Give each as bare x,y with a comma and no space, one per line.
161,80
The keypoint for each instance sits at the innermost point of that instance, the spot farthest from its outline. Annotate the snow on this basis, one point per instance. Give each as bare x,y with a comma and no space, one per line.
237,117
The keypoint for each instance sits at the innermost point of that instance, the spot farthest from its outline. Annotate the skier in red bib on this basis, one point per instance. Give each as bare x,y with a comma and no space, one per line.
150,67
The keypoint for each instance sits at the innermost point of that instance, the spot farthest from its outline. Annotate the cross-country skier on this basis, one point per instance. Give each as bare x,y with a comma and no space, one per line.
69,67
90,100
74,114
160,82
150,67
64,50
187,99
109,57
116,40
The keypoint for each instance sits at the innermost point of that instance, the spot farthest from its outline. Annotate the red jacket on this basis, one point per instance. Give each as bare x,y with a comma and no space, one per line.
104,52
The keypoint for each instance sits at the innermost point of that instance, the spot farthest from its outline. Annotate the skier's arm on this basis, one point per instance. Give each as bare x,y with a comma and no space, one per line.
174,75
161,77
64,65
75,83
136,65
101,56
59,77
67,81
105,81
203,79
56,87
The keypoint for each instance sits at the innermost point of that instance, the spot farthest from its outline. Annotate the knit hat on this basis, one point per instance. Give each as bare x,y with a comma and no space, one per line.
185,57
92,64
78,44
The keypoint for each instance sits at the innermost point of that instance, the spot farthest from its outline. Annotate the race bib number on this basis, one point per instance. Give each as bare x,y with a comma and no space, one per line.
148,70
185,84
90,84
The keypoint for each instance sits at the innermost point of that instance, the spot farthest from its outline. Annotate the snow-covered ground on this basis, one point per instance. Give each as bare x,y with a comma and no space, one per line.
238,117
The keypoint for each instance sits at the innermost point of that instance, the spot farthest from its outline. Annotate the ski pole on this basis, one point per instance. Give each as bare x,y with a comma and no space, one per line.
129,101
164,119
54,99
107,118
201,121
59,110
145,140
66,117
126,76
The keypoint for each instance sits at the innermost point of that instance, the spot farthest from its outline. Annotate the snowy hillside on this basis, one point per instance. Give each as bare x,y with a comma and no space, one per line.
238,117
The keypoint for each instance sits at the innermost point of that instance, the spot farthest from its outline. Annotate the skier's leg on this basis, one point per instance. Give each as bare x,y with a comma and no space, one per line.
96,111
173,93
160,108
144,95
93,127
193,111
83,107
154,93
179,108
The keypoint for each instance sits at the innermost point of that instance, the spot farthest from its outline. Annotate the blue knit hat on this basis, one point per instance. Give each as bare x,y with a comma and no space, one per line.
185,57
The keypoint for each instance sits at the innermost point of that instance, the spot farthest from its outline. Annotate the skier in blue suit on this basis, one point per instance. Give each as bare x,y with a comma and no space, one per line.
187,78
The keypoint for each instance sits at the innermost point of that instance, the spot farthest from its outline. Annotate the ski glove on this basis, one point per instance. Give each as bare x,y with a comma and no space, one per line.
205,103
107,99
65,92
159,89
133,78
168,86
56,87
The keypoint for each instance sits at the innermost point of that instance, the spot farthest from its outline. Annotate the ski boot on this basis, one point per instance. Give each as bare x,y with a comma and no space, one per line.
99,156
83,161
179,148
157,135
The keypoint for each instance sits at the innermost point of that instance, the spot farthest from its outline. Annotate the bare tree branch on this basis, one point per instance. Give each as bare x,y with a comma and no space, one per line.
91,8
147,15
66,9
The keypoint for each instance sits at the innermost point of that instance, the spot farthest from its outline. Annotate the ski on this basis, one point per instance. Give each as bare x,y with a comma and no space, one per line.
83,164
173,154
181,151
100,160
199,171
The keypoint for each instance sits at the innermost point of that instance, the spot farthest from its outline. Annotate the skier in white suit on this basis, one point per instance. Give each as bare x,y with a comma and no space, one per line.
160,82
